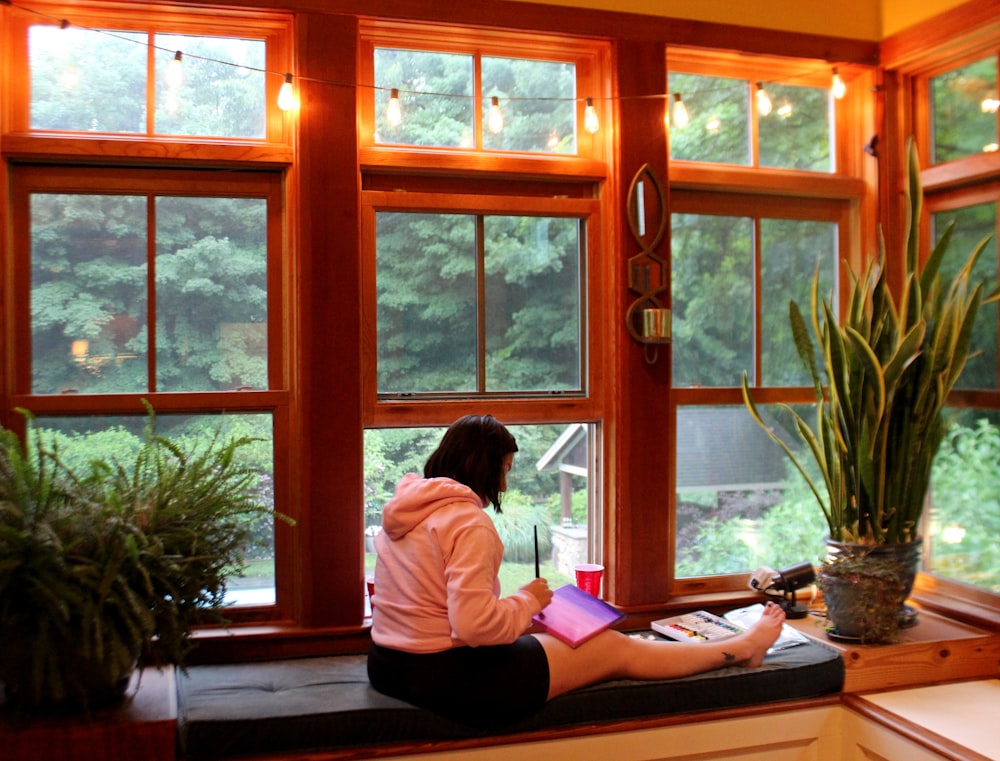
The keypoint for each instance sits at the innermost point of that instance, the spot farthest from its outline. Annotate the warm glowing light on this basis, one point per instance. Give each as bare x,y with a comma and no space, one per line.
953,535
991,148
838,88
495,120
590,122
79,348
553,142
785,110
175,72
764,104
393,112
286,95
990,105
679,112
713,125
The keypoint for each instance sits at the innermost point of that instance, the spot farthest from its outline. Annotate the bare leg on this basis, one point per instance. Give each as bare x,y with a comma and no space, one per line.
613,655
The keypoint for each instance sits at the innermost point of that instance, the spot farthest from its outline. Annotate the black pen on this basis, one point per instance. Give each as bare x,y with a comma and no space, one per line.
537,573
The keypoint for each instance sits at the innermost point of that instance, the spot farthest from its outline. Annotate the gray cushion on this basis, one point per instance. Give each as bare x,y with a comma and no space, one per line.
314,703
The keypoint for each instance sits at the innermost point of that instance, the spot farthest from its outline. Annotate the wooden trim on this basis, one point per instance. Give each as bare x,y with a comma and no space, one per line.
942,37
942,746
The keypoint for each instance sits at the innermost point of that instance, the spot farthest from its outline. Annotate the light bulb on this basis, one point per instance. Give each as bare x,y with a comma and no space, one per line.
393,112
175,73
286,95
590,121
679,112
495,120
713,125
838,88
785,110
990,105
764,104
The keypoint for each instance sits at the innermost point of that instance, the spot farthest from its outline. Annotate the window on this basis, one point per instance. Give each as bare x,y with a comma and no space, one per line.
778,118
157,285
481,291
760,205
964,104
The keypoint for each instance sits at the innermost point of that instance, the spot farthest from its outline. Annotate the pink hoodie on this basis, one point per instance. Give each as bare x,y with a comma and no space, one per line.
436,584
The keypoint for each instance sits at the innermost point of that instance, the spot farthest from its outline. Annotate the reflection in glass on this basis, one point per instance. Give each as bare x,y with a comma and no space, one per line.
718,128
88,293
964,519
538,103
797,134
87,80
791,250
435,94
964,111
712,296
81,439
216,99
740,504
972,224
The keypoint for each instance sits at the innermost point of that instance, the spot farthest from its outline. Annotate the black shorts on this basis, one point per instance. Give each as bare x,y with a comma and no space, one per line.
487,687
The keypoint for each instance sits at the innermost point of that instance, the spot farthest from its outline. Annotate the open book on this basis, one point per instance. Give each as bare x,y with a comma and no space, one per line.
574,616
702,626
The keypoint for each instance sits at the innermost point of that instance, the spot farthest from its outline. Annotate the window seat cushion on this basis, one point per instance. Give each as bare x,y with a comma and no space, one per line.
234,710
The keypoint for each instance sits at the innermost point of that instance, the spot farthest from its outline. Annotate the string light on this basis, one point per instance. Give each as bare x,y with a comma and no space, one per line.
286,95
393,111
990,105
764,104
838,88
713,125
590,121
174,75
679,112
287,99
495,120
785,110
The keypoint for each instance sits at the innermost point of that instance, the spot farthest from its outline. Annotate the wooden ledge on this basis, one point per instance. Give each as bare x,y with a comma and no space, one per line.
936,649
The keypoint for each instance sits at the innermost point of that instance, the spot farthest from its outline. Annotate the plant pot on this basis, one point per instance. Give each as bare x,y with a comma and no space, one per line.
866,587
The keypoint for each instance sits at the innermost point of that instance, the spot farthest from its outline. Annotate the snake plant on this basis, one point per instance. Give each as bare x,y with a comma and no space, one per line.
881,378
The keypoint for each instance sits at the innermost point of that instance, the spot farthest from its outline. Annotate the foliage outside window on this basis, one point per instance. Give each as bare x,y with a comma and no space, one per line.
478,303
796,133
437,108
964,104
76,73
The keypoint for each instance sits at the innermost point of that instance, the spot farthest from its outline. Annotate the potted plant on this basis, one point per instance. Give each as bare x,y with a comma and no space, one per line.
106,568
881,378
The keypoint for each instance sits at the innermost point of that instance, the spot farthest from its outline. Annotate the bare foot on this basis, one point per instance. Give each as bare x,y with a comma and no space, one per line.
763,634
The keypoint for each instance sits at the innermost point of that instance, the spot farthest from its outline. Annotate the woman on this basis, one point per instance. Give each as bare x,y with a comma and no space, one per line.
443,638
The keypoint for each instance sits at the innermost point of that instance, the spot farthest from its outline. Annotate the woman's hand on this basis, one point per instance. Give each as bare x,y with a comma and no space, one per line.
539,589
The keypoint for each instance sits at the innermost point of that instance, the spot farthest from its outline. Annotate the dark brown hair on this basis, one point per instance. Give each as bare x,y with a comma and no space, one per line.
472,452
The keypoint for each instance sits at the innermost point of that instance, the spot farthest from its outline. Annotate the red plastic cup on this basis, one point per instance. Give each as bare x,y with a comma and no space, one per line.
370,581
588,578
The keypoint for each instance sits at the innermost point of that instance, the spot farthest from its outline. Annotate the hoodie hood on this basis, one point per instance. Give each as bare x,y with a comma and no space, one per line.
417,497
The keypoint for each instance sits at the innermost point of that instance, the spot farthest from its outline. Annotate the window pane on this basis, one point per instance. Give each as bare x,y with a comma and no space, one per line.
435,93
88,293
83,439
797,132
719,126
219,99
426,286
740,504
533,307
791,251
965,497
964,111
548,487
712,294
211,293
972,224
87,80
537,102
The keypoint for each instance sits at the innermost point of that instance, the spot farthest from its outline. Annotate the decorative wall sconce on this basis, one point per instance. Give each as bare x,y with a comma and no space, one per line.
647,320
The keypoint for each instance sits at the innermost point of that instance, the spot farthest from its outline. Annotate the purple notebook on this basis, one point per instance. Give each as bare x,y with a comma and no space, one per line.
574,616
